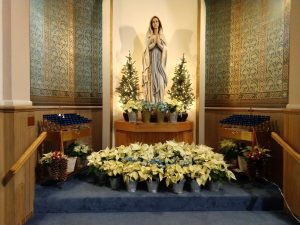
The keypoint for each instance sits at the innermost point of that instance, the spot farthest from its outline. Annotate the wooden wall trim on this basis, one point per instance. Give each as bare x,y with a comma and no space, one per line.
242,109
10,109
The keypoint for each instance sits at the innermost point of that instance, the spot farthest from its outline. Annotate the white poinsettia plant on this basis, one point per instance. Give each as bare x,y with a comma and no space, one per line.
132,105
174,173
173,104
171,160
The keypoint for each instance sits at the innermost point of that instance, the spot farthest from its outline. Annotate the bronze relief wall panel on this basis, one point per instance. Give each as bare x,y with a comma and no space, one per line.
247,47
66,59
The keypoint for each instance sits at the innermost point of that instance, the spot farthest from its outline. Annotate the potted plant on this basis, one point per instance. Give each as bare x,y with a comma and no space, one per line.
181,89
197,175
152,173
161,109
217,176
114,169
131,175
128,88
147,110
174,174
256,159
80,151
230,151
172,108
132,108
56,163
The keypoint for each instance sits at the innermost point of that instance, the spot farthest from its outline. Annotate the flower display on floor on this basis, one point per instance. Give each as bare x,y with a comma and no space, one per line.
171,160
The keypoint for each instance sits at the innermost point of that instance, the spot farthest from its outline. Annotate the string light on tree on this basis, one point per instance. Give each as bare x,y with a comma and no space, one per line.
181,89
128,88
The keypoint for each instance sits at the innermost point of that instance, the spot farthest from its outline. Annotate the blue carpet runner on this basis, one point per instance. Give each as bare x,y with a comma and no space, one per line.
76,196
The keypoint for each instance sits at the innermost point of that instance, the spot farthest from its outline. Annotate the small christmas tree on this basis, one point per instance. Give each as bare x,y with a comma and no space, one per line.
181,89
128,88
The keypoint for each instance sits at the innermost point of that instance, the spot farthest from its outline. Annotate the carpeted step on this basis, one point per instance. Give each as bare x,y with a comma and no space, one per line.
76,196
165,218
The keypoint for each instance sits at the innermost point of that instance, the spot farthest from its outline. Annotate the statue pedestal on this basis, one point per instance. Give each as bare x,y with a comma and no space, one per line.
150,133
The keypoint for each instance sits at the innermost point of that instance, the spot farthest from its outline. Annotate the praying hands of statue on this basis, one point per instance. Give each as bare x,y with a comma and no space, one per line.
153,41
159,42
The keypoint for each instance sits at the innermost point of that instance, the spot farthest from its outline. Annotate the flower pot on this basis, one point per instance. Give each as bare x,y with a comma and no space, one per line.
194,186
215,186
152,186
182,117
160,116
261,168
125,116
146,116
80,163
115,182
178,187
153,117
233,163
131,186
251,170
132,117
58,169
242,164
173,117
71,164
100,178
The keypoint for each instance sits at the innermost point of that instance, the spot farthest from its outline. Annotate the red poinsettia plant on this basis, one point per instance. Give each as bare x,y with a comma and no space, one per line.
52,156
257,154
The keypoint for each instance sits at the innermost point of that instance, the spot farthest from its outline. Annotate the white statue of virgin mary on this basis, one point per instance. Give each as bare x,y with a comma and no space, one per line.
154,62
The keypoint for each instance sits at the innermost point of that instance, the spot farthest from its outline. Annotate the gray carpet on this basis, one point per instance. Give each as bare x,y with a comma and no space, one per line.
81,203
165,218
77,196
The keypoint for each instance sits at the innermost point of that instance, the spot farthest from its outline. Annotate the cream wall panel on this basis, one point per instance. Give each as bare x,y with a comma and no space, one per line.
15,50
131,19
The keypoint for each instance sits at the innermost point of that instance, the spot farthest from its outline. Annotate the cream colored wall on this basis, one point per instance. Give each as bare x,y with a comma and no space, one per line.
15,63
201,91
1,51
131,20
106,73
294,70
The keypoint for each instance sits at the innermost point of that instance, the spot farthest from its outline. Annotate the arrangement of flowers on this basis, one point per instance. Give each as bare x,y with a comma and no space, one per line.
162,106
171,160
257,153
148,106
48,158
229,148
173,104
132,105
78,149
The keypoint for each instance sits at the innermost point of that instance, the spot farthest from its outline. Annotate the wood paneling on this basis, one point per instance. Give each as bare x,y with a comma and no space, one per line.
16,198
18,195
292,128
2,169
291,181
150,133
